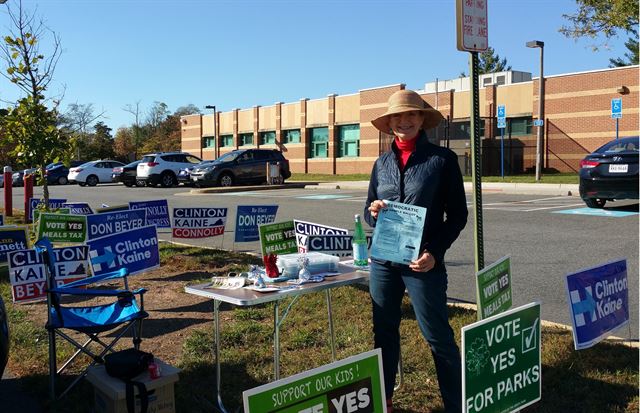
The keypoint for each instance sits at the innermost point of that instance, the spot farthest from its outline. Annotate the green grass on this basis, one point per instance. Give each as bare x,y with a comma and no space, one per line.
601,379
551,178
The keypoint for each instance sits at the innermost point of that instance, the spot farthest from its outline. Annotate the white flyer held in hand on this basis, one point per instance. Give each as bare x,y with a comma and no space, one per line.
398,232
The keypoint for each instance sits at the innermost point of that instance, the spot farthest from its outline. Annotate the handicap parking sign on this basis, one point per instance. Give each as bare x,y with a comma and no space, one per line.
616,108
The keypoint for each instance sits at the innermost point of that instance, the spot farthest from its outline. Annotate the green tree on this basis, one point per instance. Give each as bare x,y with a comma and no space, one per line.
631,57
596,18
124,144
490,62
100,143
30,125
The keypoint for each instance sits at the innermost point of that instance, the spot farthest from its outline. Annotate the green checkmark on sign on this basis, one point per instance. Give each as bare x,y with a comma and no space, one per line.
501,361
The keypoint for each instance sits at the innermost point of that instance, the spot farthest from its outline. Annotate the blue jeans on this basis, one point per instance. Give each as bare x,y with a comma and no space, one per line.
428,293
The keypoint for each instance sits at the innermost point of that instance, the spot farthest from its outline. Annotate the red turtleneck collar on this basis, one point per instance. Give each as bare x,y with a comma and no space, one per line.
405,148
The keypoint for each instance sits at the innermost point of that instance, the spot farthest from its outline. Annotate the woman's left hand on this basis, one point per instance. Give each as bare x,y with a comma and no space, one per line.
424,263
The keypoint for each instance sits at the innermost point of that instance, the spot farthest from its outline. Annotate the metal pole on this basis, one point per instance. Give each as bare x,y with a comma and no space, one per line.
276,340
216,323
476,170
540,116
502,152
331,331
617,124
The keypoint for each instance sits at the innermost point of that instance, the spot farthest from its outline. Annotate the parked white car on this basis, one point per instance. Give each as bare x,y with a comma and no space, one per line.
93,173
163,167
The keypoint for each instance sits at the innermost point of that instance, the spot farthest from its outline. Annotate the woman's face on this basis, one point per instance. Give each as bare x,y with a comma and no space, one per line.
406,125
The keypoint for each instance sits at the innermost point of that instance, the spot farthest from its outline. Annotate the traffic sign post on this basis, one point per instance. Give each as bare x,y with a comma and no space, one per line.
616,112
502,123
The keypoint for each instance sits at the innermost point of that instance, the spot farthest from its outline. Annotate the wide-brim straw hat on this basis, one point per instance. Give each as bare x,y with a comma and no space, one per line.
407,101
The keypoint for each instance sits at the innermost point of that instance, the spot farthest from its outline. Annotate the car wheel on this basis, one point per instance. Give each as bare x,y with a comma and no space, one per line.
82,184
63,180
167,180
92,180
595,202
139,182
128,184
151,184
225,179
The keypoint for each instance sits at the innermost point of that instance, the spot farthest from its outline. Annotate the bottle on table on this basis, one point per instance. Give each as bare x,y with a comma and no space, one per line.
360,253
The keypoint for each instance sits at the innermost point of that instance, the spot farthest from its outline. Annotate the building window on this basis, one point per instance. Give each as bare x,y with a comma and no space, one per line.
267,138
319,147
226,140
291,136
462,130
520,126
209,141
348,140
245,138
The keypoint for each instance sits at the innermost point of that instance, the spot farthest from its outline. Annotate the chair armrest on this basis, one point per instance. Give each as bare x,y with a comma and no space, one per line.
81,291
139,291
121,273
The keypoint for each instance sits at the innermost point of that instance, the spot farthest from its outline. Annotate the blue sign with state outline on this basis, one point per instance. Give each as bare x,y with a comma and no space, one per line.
598,301
616,108
137,250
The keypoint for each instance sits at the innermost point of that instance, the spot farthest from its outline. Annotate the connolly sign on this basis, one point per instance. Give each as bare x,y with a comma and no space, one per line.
598,302
501,361
198,222
136,249
352,385
157,212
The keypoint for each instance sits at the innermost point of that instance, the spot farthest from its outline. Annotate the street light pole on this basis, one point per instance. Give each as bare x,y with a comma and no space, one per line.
539,44
215,132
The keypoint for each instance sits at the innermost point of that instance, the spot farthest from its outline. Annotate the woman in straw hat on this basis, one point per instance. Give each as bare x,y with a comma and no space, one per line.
419,173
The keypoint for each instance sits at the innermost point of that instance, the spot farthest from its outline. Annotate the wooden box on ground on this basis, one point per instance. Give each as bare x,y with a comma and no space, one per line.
110,392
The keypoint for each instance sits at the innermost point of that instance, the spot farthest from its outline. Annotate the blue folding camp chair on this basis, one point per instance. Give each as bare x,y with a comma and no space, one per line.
123,313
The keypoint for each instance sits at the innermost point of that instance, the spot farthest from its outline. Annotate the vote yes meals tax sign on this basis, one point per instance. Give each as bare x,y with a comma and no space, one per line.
352,385
501,361
62,227
198,222
598,302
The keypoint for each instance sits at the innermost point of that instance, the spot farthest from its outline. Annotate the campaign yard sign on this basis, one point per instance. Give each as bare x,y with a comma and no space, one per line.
304,229
78,208
249,217
199,222
108,223
34,202
27,271
62,227
106,208
12,239
277,238
493,288
339,245
598,300
501,361
352,385
157,212
136,250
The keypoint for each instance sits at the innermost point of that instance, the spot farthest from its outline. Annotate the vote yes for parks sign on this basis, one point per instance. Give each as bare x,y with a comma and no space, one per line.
598,302
352,385
501,361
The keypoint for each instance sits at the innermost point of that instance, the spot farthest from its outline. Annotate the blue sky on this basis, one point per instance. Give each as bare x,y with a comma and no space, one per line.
237,54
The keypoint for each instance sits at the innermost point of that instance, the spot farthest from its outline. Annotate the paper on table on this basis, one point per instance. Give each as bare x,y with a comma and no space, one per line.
227,283
398,232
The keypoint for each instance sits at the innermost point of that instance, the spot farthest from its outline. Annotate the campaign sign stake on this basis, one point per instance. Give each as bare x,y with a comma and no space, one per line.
12,239
27,272
136,250
199,222
501,361
249,217
157,212
354,384
493,288
62,228
109,223
598,302
277,238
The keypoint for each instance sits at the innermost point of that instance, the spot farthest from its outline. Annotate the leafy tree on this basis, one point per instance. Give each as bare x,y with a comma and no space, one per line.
631,57
77,121
189,109
136,129
596,18
124,144
99,145
30,125
490,62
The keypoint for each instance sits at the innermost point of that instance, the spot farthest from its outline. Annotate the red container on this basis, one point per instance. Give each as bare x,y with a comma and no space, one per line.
154,371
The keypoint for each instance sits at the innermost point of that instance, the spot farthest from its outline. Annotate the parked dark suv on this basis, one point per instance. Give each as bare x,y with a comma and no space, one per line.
56,173
242,166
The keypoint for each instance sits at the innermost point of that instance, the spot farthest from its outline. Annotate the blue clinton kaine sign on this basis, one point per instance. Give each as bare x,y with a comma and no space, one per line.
598,302
137,250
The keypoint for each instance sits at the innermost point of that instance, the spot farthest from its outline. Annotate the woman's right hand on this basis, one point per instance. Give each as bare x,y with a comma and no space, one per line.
375,207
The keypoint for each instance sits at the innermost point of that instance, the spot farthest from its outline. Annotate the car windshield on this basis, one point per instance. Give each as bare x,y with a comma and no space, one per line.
228,157
53,165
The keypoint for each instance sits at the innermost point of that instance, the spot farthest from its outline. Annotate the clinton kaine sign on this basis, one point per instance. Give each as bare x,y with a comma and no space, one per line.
198,222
